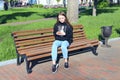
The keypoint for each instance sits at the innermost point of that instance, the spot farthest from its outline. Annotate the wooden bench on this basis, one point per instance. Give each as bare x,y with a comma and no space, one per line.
36,44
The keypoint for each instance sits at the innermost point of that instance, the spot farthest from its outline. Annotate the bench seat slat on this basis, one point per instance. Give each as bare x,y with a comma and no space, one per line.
45,49
39,45
48,54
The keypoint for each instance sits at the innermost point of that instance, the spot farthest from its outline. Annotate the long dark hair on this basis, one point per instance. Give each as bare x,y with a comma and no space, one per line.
66,19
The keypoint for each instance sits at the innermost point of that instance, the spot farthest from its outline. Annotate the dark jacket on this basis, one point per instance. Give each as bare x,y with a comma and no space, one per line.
67,29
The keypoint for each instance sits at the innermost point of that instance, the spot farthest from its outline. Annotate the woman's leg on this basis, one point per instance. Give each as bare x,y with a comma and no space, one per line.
55,46
64,46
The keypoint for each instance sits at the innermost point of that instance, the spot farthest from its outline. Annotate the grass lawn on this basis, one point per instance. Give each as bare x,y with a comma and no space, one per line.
25,14
92,26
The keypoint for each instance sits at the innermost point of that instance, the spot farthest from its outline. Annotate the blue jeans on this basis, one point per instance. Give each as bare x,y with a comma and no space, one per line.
63,45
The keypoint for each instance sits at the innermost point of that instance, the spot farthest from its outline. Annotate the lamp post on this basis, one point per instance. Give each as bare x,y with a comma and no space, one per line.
106,32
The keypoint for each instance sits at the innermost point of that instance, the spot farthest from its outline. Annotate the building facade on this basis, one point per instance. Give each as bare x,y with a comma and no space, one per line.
51,2
54,2
1,5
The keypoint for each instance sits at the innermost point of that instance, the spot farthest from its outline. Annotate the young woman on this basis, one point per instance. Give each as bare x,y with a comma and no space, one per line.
63,33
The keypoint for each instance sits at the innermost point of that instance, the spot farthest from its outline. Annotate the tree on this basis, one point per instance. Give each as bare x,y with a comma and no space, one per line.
58,1
99,4
6,5
64,3
72,10
94,7
38,2
48,2
103,3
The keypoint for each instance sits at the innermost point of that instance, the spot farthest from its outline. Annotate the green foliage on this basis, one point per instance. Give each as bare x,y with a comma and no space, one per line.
106,17
25,14
58,0
37,6
7,47
103,3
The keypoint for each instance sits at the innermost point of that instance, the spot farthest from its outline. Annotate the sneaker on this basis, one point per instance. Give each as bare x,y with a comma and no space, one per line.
54,68
66,65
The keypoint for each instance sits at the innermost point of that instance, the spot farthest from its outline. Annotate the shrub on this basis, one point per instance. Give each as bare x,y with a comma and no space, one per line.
103,3
37,6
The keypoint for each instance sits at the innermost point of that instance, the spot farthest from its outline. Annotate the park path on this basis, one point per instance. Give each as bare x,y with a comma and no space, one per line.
83,66
26,22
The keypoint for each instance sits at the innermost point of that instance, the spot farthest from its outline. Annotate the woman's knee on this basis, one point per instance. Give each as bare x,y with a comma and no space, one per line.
56,43
65,44
63,47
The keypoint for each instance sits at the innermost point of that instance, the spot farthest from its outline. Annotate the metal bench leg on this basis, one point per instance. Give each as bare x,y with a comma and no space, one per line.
18,59
22,58
28,66
94,50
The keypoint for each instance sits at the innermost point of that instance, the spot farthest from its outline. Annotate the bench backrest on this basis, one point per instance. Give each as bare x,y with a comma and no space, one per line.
33,38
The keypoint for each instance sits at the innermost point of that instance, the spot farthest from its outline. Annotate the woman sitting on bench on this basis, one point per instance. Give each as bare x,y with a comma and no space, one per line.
63,33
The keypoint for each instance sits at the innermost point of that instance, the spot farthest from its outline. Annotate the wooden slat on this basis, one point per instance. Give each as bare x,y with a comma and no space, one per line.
31,32
29,43
32,37
40,45
78,26
44,35
24,41
33,46
45,49
59,52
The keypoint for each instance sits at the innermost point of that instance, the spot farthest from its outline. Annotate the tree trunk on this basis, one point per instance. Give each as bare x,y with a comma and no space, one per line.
64,3
38,3
72,10
94,7
94,11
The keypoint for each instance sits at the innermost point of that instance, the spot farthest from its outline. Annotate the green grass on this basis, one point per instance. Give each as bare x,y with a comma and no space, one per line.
24,14
7,48
92,26
108,17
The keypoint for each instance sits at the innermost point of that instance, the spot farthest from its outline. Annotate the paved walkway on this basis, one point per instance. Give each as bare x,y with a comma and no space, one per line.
25,22
83,66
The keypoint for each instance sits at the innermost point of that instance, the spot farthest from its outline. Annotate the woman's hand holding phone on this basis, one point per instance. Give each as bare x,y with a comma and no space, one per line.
60,33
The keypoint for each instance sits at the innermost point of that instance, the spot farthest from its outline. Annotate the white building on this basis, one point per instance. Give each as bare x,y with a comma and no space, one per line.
115,1
1,5
53,2
49,2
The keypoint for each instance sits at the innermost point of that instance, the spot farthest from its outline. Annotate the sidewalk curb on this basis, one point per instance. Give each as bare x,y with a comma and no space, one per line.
113,39
3,63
